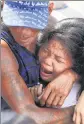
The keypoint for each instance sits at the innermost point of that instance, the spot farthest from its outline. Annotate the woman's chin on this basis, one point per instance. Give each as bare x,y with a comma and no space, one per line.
47,79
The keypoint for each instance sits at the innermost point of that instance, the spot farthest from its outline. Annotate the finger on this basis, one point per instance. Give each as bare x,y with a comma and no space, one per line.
82,119
41,96
50,99
78,118
61,101
56,100
40,89
29,89
32,92
35,91
45,95
74,117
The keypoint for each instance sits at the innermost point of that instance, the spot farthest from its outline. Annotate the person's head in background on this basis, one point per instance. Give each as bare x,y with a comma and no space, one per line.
25,19
62,48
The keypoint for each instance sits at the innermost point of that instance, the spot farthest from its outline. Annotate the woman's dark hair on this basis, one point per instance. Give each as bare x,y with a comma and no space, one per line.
69,32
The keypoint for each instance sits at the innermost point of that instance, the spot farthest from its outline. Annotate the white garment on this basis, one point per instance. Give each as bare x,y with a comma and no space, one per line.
71,99
7,115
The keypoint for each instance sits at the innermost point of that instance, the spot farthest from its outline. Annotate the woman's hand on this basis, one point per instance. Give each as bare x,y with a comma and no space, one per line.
36,91
56,91
78,117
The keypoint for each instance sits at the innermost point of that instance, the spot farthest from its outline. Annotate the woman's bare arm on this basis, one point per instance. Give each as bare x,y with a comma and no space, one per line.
14,89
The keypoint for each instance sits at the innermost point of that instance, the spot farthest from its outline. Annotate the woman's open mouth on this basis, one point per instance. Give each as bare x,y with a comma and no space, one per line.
45,73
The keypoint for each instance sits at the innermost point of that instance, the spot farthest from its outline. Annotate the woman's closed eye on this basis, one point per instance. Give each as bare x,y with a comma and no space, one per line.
59,59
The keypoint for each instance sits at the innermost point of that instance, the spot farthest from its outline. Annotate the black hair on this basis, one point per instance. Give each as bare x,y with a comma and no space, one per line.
71,33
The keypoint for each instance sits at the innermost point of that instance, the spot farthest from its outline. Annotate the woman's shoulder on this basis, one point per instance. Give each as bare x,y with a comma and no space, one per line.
8,60
6,35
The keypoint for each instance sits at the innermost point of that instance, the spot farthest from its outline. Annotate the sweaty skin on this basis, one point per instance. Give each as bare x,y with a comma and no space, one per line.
17,95
55,62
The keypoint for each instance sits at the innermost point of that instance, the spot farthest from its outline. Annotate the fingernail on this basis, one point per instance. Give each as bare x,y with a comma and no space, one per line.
47,105
58,106
42,103
53,106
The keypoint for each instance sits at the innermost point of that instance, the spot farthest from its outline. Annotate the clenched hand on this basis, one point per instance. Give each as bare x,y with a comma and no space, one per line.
56,91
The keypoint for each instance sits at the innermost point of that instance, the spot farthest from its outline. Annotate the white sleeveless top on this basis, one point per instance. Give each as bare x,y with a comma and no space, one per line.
71,99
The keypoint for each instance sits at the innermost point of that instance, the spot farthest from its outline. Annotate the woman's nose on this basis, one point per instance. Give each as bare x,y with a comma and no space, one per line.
48,61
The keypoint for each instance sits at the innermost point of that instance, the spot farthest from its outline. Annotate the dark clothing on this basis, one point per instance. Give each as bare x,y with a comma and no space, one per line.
28,63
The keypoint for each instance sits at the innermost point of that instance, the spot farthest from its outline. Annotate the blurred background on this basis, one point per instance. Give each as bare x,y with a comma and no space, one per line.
68,9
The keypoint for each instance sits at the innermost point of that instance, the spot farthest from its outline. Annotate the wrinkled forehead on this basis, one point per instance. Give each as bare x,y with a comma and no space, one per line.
56,47
54,44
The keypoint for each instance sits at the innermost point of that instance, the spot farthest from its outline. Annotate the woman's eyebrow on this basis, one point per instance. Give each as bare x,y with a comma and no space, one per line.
59,57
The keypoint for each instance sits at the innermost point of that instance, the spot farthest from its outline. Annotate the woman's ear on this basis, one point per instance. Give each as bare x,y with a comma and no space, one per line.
50,6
